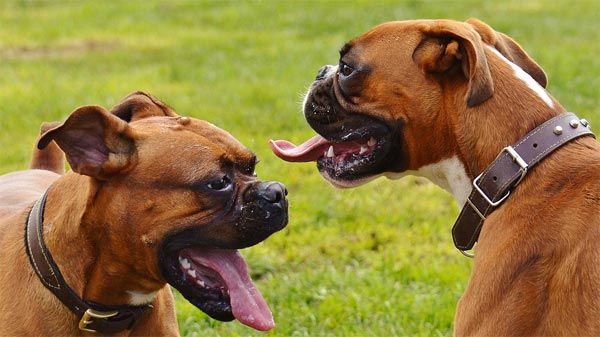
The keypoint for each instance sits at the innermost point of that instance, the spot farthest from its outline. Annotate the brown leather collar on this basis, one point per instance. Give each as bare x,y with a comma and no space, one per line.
93,317
494,185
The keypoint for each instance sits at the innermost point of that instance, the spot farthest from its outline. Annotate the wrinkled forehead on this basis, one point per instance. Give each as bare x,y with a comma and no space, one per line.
385,37
188,144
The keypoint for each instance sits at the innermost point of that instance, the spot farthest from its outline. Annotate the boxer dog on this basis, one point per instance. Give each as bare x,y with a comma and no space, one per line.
440,99
152,198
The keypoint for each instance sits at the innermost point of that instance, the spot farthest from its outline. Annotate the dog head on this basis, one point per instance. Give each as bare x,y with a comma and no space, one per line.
172,199
398,96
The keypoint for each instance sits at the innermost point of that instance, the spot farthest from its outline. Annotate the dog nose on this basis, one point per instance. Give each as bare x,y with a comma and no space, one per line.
322,72
272,191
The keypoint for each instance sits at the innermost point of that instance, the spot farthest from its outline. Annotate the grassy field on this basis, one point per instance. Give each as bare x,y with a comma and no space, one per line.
374,261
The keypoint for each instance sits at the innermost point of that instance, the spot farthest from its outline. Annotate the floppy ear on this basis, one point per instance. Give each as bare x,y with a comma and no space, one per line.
448,43
96,142
139,105
510,49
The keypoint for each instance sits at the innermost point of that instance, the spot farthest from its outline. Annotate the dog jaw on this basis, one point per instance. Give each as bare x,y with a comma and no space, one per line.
348,184
449,174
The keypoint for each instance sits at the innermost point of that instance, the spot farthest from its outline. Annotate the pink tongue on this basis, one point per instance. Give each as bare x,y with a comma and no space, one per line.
247,303
310,150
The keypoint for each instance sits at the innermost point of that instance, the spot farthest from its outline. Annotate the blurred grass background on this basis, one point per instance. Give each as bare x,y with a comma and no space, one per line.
373,261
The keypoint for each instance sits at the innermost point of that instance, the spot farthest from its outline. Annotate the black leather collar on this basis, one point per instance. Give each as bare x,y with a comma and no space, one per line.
94,317
493,186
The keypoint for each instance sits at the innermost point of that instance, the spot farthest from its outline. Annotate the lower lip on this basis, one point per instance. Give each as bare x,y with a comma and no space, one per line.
340,167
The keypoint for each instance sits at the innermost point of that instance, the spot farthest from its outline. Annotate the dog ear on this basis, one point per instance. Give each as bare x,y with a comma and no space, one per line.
510,49
139,105
448,43
96,142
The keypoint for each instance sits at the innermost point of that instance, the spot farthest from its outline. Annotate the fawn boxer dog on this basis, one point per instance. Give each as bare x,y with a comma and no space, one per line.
445,100
152,198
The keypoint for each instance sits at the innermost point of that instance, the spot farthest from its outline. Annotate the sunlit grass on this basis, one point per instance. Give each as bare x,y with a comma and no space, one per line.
374,261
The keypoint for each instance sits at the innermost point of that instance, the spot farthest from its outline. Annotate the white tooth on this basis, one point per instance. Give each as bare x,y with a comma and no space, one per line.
185,263
192,273
200,283
371,141
363,149
330,152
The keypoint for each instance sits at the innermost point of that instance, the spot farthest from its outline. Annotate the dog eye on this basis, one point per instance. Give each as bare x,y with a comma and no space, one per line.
249,168
222,184
345,69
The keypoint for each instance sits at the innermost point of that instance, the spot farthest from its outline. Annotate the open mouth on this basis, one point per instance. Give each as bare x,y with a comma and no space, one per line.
348,155
217,282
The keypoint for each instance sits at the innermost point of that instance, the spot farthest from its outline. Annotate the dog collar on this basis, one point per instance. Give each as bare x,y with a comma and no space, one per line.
93,317
492,187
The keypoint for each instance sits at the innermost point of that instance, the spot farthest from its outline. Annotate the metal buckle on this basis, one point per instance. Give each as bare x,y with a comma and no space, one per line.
90,314
517,159
492,203
467,254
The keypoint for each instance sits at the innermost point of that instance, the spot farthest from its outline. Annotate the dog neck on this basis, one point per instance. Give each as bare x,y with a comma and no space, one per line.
87,264
476,135
518,105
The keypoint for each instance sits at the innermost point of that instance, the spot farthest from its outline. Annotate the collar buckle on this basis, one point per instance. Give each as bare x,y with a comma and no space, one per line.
523,169
519,160
485,197
90,314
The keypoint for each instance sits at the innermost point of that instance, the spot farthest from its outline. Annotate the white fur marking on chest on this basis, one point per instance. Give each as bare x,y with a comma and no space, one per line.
140,298
449,174
526,78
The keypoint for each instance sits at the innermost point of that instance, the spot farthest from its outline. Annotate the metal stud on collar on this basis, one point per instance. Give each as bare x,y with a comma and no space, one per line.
558,130
574,123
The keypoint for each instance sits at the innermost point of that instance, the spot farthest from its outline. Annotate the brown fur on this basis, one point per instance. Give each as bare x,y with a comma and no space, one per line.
104,242
51,158
536,269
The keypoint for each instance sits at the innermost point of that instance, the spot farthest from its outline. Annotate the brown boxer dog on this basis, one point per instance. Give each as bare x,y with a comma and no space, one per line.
152,198
441,99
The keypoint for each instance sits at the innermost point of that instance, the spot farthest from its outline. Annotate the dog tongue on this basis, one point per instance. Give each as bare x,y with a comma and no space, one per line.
247,303
310,150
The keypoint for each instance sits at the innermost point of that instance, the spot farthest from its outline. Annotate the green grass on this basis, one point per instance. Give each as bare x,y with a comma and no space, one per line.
373,261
